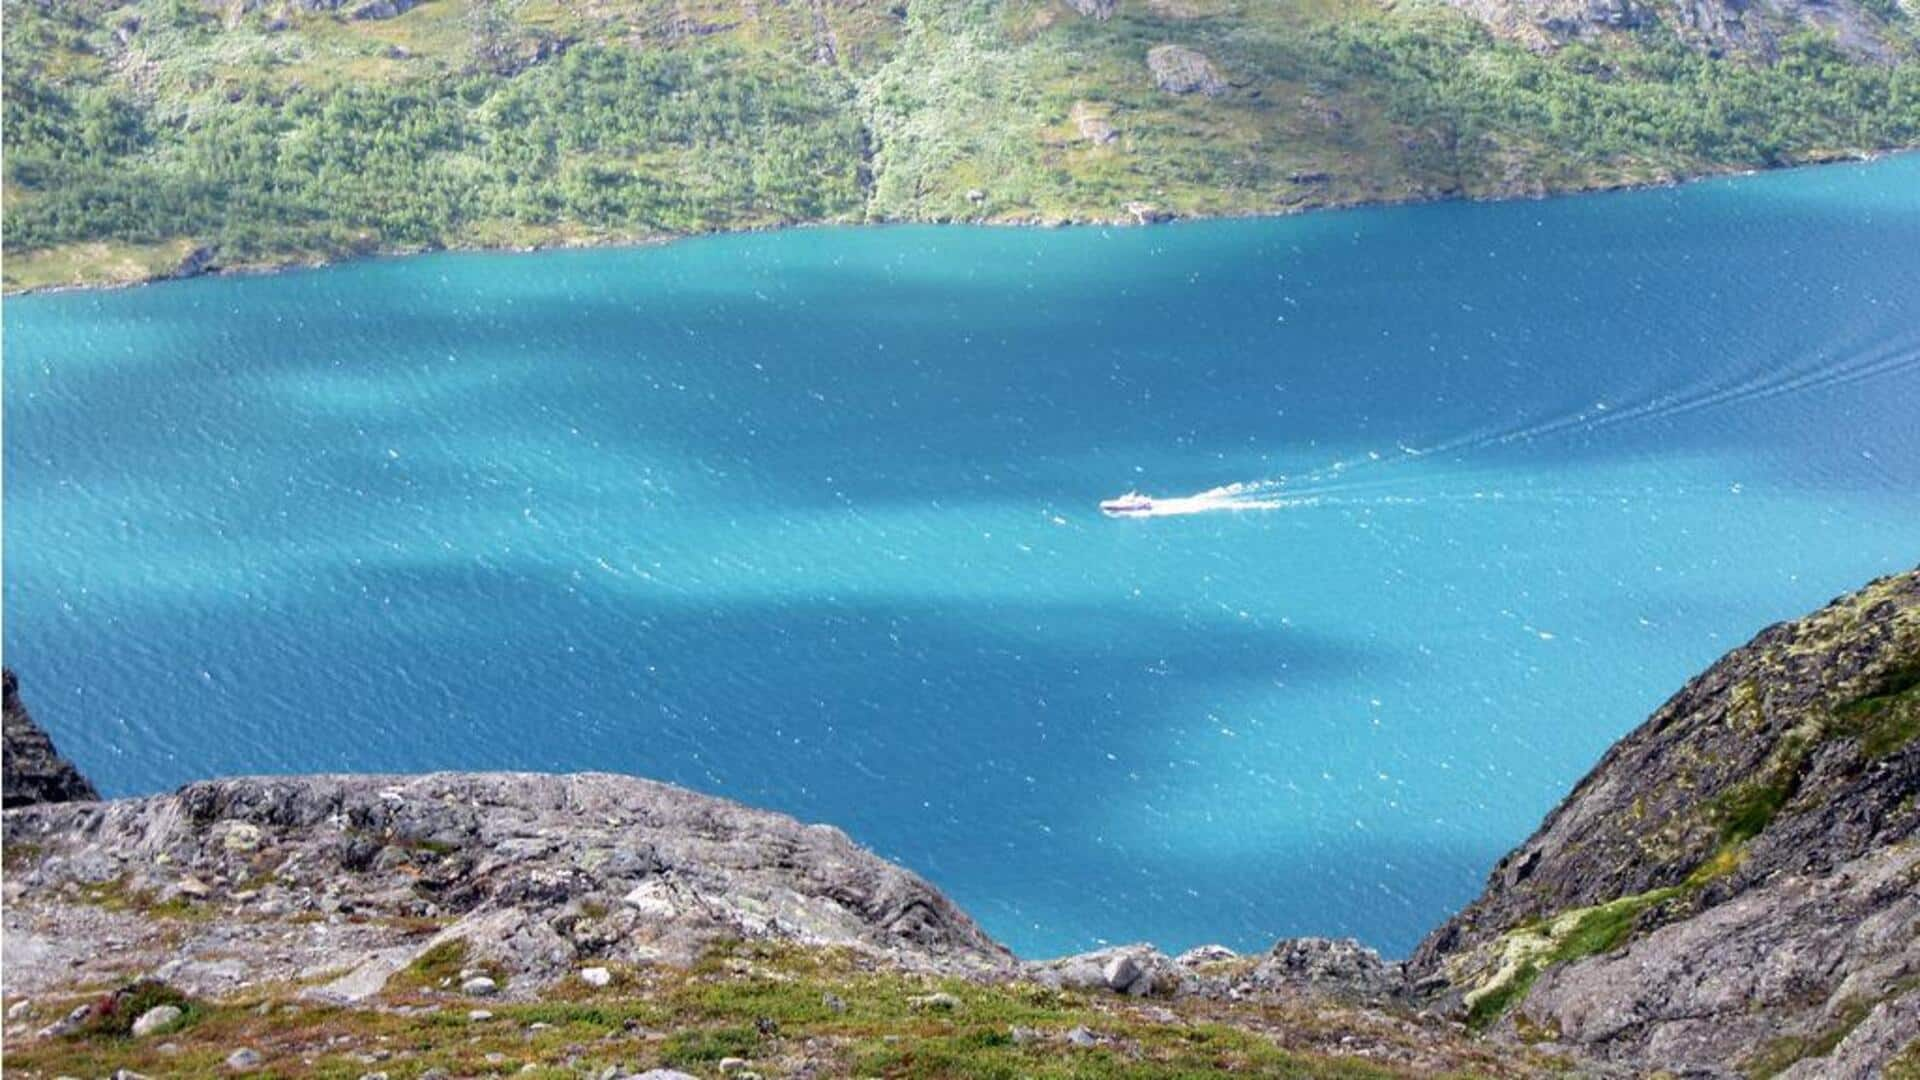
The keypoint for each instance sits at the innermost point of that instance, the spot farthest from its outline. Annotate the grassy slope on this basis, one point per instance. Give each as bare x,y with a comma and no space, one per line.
783,1010
136,131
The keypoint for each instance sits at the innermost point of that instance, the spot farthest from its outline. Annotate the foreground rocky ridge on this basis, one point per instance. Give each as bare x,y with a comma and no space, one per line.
1737,883
1733,891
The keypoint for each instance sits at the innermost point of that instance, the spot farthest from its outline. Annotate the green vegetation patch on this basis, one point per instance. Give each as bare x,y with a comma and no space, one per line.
1887,722
778,1007
1571,936
439,968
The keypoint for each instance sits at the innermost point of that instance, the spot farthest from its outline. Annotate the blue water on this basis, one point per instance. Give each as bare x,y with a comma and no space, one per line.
808,519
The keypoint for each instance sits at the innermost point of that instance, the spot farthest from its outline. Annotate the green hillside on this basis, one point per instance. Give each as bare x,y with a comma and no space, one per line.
268,131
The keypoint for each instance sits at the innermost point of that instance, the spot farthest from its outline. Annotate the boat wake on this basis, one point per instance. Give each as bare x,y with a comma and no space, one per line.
1339,483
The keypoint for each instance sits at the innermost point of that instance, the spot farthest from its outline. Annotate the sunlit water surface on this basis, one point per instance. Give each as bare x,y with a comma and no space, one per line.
809,519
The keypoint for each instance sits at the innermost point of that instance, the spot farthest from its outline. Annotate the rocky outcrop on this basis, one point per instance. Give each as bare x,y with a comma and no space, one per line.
532,876
1092,123
1737,27
1178,69
1738,877
34,772
1095,9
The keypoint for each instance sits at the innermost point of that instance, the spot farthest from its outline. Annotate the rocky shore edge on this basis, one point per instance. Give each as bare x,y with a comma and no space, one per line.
202,261
1733,891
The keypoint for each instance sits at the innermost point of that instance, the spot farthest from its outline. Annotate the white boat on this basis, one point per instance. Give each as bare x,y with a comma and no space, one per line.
1132,504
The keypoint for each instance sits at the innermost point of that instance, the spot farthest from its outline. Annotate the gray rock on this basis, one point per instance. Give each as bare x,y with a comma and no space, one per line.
1085,1037
1717,27
31,770
510,859
596,976
155,1019
1178,69
1325,967
479,986
1205,954
1120,973
1135,970
66,1024
243,1059
1092,123
382,9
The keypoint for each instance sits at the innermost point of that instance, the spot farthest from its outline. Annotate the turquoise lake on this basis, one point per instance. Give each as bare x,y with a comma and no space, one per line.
809,519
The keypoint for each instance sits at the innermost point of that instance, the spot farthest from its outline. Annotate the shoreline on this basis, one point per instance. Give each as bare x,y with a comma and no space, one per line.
1148,216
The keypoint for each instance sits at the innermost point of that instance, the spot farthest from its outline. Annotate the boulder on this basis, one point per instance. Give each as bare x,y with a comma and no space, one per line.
155,1019
1134,970
1092,123
1178,69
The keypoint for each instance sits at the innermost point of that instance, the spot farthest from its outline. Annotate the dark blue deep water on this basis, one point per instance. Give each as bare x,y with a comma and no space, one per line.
808,519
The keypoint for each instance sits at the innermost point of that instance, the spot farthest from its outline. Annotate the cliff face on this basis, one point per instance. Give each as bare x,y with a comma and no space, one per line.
34,772
1736,885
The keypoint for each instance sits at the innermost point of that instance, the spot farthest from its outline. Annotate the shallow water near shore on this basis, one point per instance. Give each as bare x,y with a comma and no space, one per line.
809,519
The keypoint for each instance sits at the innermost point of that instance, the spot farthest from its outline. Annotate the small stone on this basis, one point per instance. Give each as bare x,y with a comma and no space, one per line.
732,1064
67,1023
1084,1037
19,1009
495,1057
665,1074
479,1015
373,1076
596,976
154,1019
193,888
539,1025
1120,973
1025,1036
479,986
935,1002
169,1048
243,1059
834,1002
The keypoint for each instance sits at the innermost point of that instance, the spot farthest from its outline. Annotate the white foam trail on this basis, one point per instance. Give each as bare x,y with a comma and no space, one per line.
1897,356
